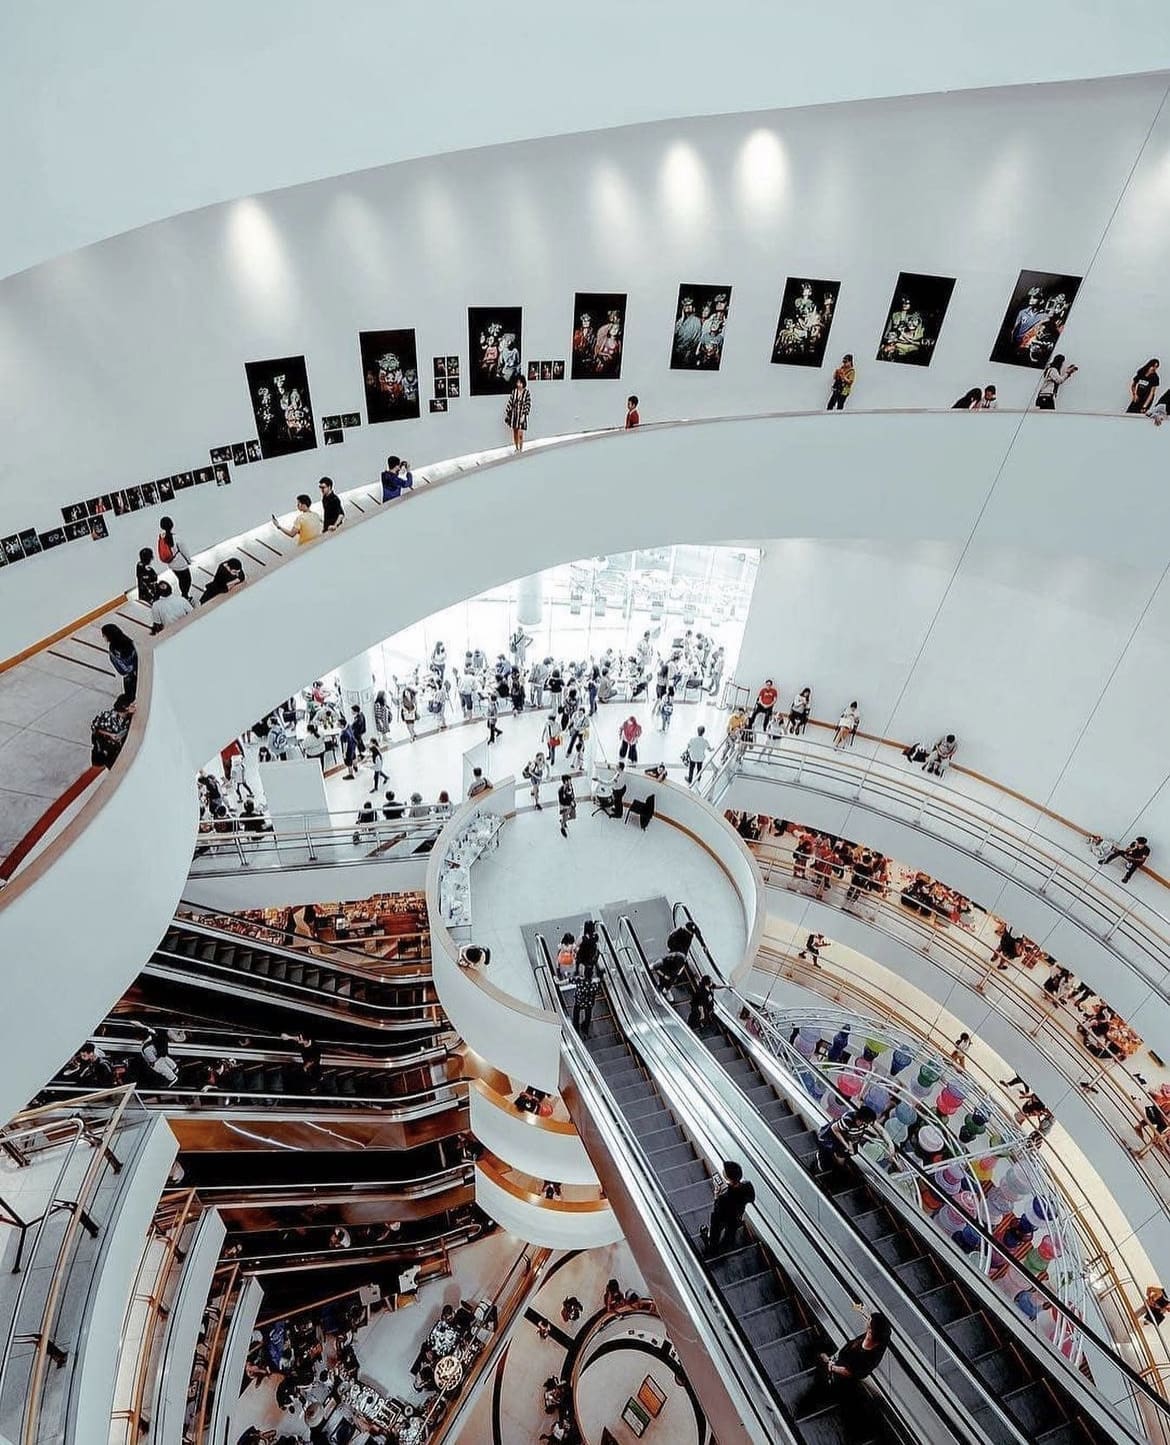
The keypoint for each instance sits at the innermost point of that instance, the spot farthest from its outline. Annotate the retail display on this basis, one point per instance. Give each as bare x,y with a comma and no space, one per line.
479,833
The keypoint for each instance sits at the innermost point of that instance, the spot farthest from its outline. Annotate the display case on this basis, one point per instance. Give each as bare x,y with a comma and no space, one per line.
479,834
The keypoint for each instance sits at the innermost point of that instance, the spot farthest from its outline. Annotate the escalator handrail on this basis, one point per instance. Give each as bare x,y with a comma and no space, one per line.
361,1255
720,1336
331,1057
461,1173
391,1107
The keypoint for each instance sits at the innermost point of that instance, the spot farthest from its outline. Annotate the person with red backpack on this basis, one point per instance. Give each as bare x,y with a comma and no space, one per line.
171,553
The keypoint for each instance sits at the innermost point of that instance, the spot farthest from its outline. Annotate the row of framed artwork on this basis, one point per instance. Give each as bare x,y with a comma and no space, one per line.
279,389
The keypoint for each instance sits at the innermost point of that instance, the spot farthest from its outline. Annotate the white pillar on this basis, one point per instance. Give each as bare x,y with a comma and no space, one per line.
530,600
356,678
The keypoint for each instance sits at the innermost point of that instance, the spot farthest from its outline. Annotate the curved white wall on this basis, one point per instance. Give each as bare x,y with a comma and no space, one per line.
526,1142
124,362
550,1226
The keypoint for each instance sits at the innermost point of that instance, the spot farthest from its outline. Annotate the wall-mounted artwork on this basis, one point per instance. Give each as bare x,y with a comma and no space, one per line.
351,418
13,550
806,314
440,386
1034,318
149,494
331,423
599,330
74,512
223,476
558,371
239,455
77,531
221,454
699,328
915,319
166,489
30,542
438,404
452,386
251,451
390,371
281,405
494,345
334,438
134,498
54,537
97,505
98,529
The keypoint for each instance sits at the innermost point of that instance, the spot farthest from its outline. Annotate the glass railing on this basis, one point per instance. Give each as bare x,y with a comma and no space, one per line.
263,842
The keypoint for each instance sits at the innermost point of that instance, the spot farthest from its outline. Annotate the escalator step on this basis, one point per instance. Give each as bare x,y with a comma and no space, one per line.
670,1155
848,1422
1072,1432
855,1200
644,1108
631,1093
624,1071
656,1139
611,1054
785,1123
245,958
262,967
294,972
697,1196
1035,1406
1004,1370
898,1249
760,1093
679,1176
779,1320
802,1393
789,1355
208,952
740,1069
344,986
875,1224
918,1275
749,1259
945,1304
756,1293
974,1335
727,1054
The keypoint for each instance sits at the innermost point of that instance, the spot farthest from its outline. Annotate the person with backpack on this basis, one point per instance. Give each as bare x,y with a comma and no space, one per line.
124,658
172,554
146,578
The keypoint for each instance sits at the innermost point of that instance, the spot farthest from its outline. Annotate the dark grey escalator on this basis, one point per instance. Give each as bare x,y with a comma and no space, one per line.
1034,1398
247,968
781,1333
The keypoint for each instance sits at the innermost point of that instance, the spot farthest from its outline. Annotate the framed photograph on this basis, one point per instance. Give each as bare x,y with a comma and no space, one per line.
77,531
651,1397
97,505
54,537
1035,317
204,476
440,386
332,438
252,452
351,418
330,423
12,548
98,529
452,386
223,477
134,498
558,371
438,404
166,489
599,329
494,342
181,481
534,371
439,365
121,505
700,326
4,558
281,404
635,1418
149,494
546,371
390,371
239,454
221,454
915,318
30,541
806,315
74,512
452,366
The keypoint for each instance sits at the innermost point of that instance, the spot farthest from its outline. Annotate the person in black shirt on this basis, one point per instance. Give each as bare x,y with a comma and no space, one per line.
331,505
679,940
1135,855
587,951
861,1355
669,971
584,999
728,1210
702,1003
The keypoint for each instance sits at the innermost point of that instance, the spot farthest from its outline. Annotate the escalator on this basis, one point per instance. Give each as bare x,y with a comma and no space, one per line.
1026,1384
316,982
776,1327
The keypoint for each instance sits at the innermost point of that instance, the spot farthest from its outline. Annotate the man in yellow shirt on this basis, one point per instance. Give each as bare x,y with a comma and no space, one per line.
307,525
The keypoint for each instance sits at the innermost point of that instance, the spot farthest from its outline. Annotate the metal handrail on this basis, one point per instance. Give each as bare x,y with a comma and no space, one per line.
214,1346
391,1106
249,839
417,1185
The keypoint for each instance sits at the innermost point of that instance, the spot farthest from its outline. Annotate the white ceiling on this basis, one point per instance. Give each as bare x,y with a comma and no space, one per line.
118,114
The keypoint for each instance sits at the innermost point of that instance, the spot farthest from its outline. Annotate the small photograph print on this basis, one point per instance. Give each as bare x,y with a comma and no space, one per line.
97,505
494,345
351,418
546,371
440,366
806,314
252,452
182,481
330,423
452,386
74,512
223,477
917,309
13,551
221,454
204,476
77,531
3,557
438,405
149,494
390,373
452,366
279,390
599,329
30,542
699,328
121,505
55,537
166,489
1034,318
332,438
239,454
98,529
440,386
558,371
534,371
134,498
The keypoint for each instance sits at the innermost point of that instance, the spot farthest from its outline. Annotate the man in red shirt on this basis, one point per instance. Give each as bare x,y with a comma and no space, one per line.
631,731
765,702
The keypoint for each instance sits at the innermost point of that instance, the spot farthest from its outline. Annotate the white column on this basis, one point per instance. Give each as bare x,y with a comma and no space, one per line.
530,600
356,678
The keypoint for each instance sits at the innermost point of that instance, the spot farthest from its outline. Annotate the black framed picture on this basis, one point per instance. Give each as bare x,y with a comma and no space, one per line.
239,454
121,505
281,404
30,542
452,386
221,454
74,512
330,423
700,327
252,451
204,476
76,531
915,318
452,366
439,366
438,404
558,371
98,529
223,476
546,371
351,418
440,386
97,505
13,548
390,373
534,371
599,331
182,481
495,341
149,494
54,537
134,498
1034,318
166,489
806,315
332,438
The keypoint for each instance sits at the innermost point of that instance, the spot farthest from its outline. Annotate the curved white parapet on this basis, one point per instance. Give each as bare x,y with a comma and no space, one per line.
550,1148
557,1224
70,938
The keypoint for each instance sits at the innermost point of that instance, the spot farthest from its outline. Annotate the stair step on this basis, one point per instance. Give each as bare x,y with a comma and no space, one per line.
973,1335
945,1304
898,1249
790,1354
918,1275
728,1269
779,1320
1035,1407
875,1224
753,1293
669,1155
679,1176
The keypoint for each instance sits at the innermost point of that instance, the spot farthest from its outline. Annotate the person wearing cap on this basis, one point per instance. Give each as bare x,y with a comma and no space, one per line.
841,1138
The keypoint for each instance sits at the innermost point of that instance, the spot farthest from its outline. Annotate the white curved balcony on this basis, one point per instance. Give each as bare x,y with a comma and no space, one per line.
579,1219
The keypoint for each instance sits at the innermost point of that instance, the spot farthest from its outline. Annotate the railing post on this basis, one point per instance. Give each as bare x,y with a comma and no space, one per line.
1052,872
1117,922
309,839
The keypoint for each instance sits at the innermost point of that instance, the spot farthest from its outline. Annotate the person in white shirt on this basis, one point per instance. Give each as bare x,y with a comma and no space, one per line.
696,753
847,725
167,608
1056,373
940,755
467,689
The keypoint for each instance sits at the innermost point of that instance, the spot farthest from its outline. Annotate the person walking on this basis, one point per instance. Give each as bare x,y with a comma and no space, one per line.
382,715
588,950
534,774
358,726
408,710
550,736
331,507
493,717
632,417
841,1138
843,379
567,802
348,751
702,1010
1056,373
629,733
812,948
696,753
733,1194
172,554
516,411
145,577
765,702
306,526
467,693
124,659
584,998
376,761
